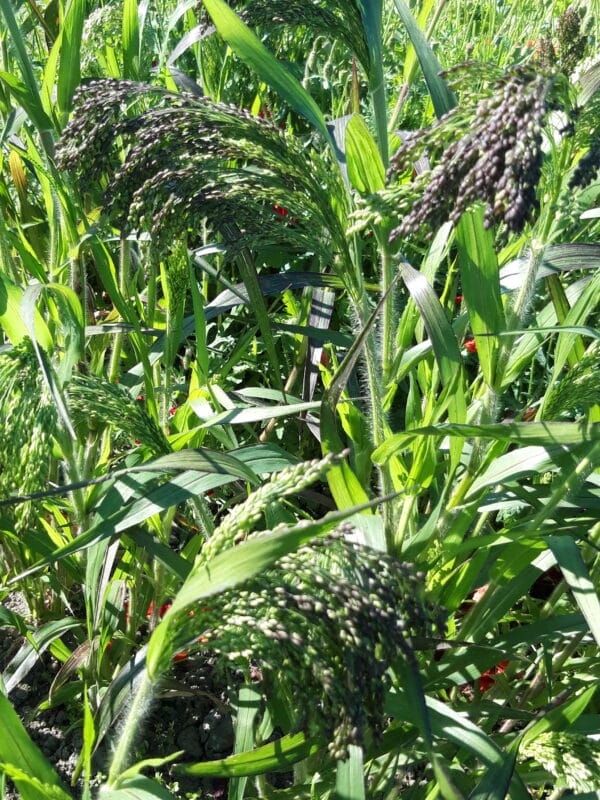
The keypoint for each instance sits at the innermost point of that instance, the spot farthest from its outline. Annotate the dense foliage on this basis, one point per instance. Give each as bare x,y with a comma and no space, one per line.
299,390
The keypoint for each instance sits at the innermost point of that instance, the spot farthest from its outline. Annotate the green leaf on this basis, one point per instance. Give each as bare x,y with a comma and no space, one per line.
11,319
137,788
521,462
442,98
21,758
248,271
71,318
277,756
496,781
371,12
248,705
569,559
443,341
269,459
458,728
561,718
131,40
365,167
439,330
121,511
585,306
251,50
69,75
246,414
26,91
37,642
349,779
541,433
410,59
481,287
518,566
467,663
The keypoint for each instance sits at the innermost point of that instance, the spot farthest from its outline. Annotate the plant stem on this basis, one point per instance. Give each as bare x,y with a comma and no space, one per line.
380,110
380,430
124,260
137,711
387,326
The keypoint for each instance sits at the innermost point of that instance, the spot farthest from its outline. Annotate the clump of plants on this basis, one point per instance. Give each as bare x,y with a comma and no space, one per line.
278,403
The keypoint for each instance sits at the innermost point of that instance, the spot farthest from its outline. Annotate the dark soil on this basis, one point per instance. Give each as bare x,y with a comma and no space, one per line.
191,714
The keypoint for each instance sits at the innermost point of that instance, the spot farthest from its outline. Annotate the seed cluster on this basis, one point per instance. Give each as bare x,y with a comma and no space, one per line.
572,758
239,521
171,161
496,160
330,620
588,165
333,18
572,43
95,403
28,422
579,388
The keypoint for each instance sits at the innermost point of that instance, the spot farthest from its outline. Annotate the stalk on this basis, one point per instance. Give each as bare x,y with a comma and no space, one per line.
124,261
380,428
137,712
380,110
387,327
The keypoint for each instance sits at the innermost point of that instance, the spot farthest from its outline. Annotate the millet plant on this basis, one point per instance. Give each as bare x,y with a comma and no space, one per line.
299,380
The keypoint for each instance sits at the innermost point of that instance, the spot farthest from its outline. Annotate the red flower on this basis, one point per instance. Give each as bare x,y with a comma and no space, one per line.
179,656
471,345
161,611
458,299
487,680
283,212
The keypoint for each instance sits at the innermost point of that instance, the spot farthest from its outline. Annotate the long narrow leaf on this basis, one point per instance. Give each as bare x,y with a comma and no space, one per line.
248,705
251,50
18,750
481,288
496,782
119,514
277,756
30,98
131,40
441,96
569,559
349,779
69,73
541,433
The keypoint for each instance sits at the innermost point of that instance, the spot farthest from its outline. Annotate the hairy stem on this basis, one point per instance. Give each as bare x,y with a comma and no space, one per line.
115,358
137,712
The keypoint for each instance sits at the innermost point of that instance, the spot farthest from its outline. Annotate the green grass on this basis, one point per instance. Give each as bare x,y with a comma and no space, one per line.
237,315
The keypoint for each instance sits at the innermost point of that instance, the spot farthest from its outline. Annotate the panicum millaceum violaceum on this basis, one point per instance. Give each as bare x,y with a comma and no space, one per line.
329,620
28,423
333,18
170,161
572,43
492,153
